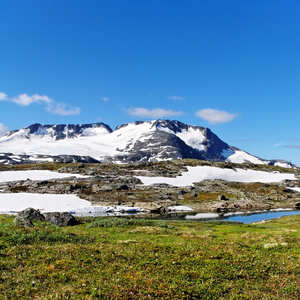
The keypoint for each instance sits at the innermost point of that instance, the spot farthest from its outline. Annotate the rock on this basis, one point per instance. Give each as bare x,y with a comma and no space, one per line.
106,188
223,198
151,207
123,187
27,216
297,205
219,209
224,207
60,218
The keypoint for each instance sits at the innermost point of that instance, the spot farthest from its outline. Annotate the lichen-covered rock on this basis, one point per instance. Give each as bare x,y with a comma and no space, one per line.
27,216
60,218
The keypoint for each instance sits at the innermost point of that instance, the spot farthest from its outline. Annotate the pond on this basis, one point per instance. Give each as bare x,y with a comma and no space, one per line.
243,217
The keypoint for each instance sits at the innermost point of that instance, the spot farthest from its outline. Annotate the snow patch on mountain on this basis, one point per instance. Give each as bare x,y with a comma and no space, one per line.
193,138
129,143
239,156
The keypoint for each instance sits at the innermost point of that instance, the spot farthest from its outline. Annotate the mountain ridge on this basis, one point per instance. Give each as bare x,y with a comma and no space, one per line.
140,141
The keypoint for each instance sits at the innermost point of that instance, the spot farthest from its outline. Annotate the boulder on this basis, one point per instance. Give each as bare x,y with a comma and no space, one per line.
152,207
60,218
27,216
223,198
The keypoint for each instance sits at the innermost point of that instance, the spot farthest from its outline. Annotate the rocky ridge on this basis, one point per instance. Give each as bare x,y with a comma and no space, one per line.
158,140
111,184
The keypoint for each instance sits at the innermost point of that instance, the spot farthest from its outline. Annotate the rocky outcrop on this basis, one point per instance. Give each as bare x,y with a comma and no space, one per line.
108,184
225,207
60,218
27,216
63,131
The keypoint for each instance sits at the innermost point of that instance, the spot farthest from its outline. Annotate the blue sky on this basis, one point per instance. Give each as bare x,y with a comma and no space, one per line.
232,66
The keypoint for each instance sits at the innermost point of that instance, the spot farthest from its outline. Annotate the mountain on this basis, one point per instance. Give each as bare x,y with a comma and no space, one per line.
129,143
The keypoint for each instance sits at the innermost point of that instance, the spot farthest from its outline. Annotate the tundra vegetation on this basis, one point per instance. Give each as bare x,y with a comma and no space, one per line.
138,258
126,258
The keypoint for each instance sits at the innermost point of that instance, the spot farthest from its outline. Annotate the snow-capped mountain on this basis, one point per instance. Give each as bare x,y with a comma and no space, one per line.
134,142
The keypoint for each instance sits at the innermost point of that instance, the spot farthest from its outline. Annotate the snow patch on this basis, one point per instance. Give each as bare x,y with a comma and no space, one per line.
178,208
200,173
240,157
203,216
15,202
7,176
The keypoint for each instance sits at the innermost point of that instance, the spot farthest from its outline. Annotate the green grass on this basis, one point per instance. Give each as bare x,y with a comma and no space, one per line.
111,258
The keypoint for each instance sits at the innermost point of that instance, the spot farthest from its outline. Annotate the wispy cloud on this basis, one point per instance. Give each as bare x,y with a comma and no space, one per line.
105,99
278,145
175,98
214,116
3,96
58,108
292,146
3,129
62,109
25,100
153,113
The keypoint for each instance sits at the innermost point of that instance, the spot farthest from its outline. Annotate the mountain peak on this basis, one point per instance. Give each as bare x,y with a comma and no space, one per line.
128,143
62,131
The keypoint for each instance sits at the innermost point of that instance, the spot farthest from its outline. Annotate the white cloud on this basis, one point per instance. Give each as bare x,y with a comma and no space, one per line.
62,109
3,96
175,98
3,129
105,99
58,108
25,100
215,116
153,113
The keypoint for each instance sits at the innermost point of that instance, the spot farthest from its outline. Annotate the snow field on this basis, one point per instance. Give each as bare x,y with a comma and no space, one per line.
14,202
8,176
200,173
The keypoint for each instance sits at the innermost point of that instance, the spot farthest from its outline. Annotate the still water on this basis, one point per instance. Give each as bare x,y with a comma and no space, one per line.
246,218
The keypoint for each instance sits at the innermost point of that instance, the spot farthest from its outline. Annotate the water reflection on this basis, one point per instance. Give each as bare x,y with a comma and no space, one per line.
244,217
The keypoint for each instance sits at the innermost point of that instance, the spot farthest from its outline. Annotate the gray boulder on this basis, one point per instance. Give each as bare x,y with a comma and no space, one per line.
27,216
223,198
60,218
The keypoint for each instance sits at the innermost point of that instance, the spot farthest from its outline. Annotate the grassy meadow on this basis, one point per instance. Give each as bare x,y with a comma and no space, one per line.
117,258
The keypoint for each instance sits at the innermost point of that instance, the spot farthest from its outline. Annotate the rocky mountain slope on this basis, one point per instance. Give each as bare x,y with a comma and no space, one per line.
150,141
